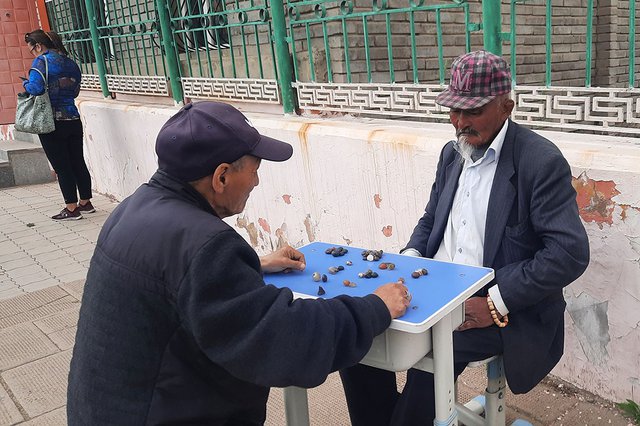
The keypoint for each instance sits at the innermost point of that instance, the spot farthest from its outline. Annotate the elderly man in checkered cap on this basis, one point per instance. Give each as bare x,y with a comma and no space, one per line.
502,198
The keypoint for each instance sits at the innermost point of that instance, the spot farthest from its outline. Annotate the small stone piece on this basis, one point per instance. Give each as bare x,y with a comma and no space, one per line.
316,276
374,275
336,251
401,280
419,272
360,274
321,290
349,263
414,307
324,278
348,283
340,268
371,255
333,270
387,265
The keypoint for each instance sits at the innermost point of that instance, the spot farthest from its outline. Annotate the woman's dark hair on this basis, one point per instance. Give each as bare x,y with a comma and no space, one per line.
50,40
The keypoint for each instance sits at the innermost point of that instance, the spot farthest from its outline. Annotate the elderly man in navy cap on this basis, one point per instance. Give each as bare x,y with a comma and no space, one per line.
177,325
502,198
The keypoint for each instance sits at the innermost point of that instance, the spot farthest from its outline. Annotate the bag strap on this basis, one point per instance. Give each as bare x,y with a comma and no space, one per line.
44,76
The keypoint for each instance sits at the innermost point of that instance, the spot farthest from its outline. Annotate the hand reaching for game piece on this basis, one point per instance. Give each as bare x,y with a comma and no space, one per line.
285,259
396,296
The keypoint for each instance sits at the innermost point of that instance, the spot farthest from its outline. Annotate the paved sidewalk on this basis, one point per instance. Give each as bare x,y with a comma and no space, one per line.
42,269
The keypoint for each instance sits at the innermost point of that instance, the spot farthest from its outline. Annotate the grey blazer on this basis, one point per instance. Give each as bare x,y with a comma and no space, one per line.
534,240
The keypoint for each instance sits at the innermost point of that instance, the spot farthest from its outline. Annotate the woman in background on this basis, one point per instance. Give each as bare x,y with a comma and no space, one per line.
63,146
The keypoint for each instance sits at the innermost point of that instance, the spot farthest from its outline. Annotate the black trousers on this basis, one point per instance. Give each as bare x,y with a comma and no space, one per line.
372,396
64,150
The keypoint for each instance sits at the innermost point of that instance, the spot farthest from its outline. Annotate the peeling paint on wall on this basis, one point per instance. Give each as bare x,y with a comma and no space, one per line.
595,199
624,210
387,230
287,198
264,225
311,234
281,234
377,199
591,322
251,229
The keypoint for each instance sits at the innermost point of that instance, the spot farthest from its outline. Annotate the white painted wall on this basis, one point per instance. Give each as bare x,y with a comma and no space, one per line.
365,183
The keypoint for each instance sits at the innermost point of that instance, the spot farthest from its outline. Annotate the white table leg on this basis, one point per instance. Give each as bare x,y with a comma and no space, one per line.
442,333
296,406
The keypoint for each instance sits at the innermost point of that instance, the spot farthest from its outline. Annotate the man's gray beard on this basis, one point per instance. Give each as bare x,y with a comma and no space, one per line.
464,148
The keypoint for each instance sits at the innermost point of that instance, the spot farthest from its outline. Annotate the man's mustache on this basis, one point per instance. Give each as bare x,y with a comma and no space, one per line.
466,131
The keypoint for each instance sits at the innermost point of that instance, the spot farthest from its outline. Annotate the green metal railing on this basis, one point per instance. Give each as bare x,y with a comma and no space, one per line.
560,31
373,43
71,20
267,51
129,36
216,40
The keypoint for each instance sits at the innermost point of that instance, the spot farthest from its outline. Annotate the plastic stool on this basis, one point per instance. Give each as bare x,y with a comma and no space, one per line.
492,403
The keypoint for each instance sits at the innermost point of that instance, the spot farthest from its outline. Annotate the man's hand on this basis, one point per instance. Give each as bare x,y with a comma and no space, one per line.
396,296
476,314
285,259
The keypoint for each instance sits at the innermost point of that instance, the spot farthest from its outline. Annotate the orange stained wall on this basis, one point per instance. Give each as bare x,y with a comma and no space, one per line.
17,17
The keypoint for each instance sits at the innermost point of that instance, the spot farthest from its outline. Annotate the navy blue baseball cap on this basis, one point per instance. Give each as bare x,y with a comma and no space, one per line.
203,135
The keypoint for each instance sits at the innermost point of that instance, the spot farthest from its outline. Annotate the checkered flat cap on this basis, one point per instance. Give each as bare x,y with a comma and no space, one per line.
476,79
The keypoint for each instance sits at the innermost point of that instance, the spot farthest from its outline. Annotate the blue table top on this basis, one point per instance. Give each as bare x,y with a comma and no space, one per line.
434,295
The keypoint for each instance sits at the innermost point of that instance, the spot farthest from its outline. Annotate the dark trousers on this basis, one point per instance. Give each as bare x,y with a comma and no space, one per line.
371,393
64,150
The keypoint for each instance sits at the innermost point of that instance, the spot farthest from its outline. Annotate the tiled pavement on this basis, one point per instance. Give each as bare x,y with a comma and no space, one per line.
42,269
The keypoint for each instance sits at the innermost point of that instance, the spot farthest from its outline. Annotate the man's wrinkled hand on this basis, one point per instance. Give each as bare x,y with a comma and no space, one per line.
396,296
285,259
476,314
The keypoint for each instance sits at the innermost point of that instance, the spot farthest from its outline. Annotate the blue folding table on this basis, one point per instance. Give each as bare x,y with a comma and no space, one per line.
422,338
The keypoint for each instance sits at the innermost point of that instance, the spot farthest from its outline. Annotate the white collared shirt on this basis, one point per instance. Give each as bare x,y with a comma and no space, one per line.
463,240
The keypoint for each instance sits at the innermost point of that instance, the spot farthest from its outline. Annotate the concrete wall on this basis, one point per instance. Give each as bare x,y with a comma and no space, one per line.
365,183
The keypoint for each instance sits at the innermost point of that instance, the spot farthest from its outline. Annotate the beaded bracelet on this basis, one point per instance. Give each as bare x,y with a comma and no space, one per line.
492,309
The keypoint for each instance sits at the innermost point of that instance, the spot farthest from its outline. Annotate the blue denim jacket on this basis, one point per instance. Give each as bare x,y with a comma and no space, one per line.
63,81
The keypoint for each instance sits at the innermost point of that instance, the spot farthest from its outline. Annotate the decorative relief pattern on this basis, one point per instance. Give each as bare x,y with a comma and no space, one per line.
612,110
235,89
90,82
138,84
409,100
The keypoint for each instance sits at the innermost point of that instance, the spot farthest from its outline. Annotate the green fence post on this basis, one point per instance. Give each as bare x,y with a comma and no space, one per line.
97,50
632,43
170,51
491,26
282,55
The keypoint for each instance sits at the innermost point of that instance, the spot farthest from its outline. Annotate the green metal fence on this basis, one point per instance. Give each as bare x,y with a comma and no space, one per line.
573,62
350,41
225,49
590,46
70,19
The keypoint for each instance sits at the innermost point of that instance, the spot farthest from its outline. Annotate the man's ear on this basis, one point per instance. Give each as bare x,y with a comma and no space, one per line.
219,178
508,106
